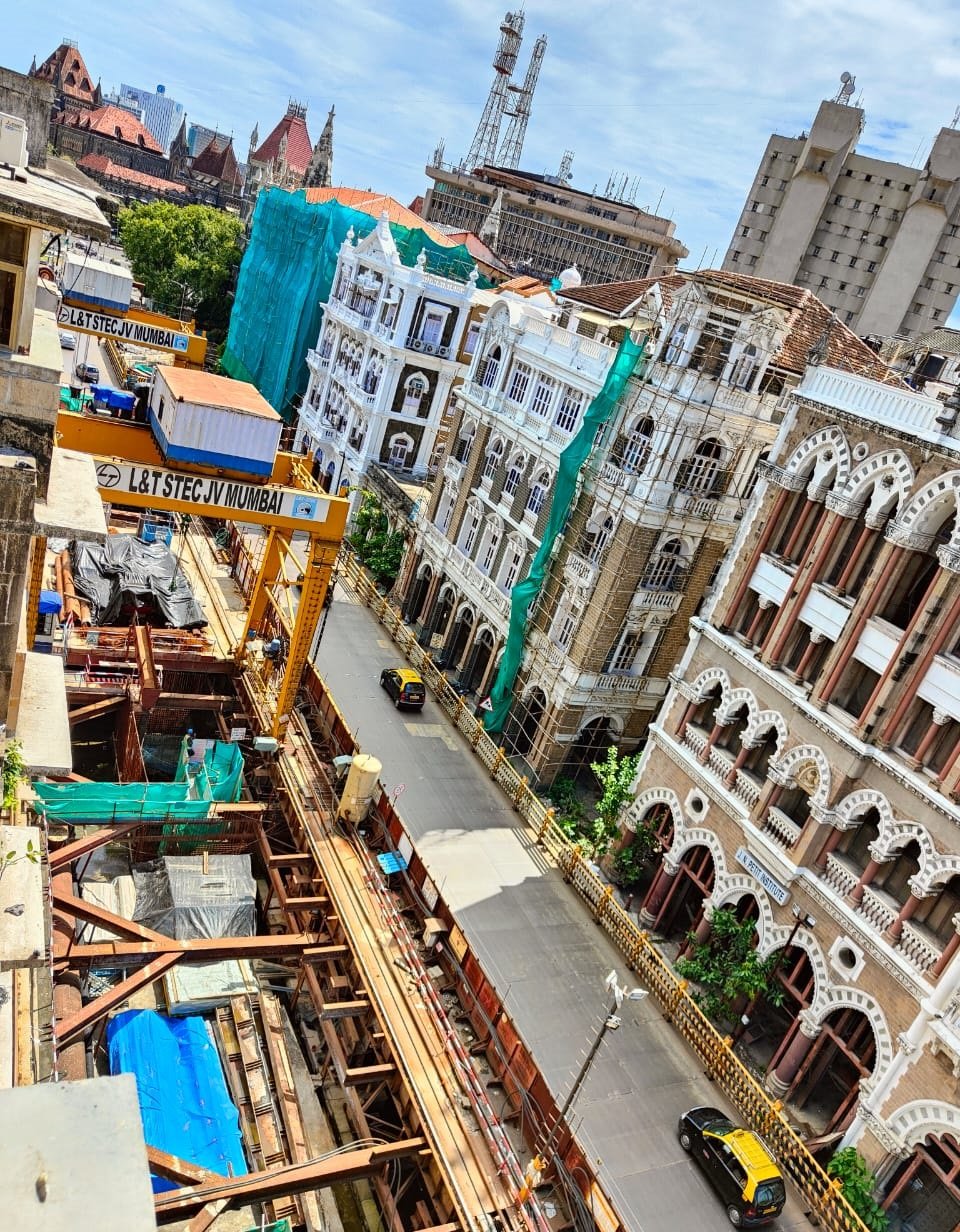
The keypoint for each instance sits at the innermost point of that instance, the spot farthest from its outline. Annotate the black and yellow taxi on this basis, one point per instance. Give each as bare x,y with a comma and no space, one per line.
738,1164
405,686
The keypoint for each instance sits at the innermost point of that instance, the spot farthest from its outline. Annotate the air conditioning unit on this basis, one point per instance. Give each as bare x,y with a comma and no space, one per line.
417,344
429,348
443,352
13,142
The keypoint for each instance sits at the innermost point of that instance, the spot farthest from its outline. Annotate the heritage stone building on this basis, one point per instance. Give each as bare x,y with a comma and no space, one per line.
805,772
659,499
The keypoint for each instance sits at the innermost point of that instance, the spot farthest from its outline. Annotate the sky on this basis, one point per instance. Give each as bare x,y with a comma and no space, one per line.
683,94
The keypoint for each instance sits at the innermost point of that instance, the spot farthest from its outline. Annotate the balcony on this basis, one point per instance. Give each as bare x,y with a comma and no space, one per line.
569,351
414,343
782,829
839,877
724,509
318,362
689,385
825,611
578,571
631,686
656,600
884,405
349,316
453,470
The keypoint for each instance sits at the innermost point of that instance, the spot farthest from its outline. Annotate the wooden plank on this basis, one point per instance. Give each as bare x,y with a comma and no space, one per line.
95,710
208,1216
306,902
332,1010
357,1075
173,1168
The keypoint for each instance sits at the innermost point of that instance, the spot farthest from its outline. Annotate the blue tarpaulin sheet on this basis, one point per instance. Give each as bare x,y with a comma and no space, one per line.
185,1107
49,602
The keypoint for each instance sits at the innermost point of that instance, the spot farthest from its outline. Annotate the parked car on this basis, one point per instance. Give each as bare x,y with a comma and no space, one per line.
737,1163
68,341
88,373
405,686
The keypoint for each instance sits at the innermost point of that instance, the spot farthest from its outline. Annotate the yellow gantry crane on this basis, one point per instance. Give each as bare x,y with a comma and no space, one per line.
131,472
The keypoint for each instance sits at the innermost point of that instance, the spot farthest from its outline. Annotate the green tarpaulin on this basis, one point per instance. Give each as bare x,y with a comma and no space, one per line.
564,491
285,280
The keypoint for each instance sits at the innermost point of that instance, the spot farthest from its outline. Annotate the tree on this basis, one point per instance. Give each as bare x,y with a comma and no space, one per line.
857,1182
379,548
728,967
184,254
616,775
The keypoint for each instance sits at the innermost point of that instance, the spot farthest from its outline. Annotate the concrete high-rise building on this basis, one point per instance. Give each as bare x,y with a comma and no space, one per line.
878,242
162,114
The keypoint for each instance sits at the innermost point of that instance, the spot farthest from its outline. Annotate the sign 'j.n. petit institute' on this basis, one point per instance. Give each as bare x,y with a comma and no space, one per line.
777,892
117,480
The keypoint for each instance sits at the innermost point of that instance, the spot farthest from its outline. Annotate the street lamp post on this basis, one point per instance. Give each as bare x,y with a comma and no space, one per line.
611,1021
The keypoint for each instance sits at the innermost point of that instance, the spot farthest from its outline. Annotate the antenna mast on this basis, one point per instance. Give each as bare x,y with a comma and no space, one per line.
484,147
512,146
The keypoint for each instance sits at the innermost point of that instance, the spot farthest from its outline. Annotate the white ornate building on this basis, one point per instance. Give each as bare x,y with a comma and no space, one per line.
394,339
658,503
805,771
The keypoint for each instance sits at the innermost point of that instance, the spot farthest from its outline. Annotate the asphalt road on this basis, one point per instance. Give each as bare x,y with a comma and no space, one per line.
537,943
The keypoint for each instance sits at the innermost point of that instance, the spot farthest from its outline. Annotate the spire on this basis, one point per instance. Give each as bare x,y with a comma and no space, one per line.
33,67
254,138
319,173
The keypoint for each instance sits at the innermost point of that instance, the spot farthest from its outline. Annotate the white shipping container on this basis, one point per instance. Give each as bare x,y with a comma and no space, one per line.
96,283
213,421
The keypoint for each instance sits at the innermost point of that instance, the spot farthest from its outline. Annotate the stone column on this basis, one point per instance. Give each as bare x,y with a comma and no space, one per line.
803,521
687,716
763,543
907,911
816,638
923,748
656,896
853,561
779,1081
949,950
731,776
763,606
855,897
704,755
811,568
833,841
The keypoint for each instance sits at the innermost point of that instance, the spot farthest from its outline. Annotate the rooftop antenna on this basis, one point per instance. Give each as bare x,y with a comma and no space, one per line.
956,118
848,84
512,146
484,146
565,174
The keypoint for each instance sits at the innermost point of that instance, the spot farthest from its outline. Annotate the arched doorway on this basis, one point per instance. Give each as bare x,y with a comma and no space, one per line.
459,636
682,908
638,854
418,594
827,1084
924,1192
773,1027
525,721
478,661
590,745
436,623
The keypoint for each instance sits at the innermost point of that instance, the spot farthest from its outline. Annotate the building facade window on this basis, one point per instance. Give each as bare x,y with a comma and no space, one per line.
666,569
465,442
414,391
519,383
493,459
538,493
512,562
468,534
597,539
543,391
568,411
491,543
701,472
400,447
489,368
515,474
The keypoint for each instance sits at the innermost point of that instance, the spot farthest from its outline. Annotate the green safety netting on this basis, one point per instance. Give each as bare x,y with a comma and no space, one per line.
218,779
75,404
285,280
564,490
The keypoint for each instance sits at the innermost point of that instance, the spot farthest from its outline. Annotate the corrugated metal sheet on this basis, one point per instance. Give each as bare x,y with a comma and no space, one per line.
213,436
96,283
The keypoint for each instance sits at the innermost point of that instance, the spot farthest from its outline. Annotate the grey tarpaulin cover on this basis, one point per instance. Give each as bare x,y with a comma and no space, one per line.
176,898
123,576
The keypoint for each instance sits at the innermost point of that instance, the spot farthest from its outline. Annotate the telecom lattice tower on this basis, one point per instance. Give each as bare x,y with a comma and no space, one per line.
512,146
484,147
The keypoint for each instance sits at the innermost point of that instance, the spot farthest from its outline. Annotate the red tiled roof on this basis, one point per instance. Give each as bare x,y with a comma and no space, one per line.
115,123
99,164
616,297
65,69
299,148
807,316
218,160
375,204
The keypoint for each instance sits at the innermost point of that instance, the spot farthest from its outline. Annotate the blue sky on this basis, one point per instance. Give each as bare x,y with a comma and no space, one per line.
683,95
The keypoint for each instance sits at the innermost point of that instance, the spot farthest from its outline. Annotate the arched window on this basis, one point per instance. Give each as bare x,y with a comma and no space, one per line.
538,493
665,570
489,368
754,477
637,449
745,369
465,442
678,338
568,409
414,390
515,474
491,542
701,471
598,538
493,459
511,565
469,529
400,447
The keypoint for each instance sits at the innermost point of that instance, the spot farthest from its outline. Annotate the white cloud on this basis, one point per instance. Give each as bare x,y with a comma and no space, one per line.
683,95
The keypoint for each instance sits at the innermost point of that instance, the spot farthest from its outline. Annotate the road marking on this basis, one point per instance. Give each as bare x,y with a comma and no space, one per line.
436,731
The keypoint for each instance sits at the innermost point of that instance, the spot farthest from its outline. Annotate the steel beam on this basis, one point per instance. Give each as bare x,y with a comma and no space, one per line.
181,1204
206,949
173,1168
64,856
81,909
69,1029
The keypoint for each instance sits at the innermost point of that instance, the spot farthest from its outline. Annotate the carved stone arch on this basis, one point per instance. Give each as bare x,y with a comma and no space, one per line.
446,589
778,936
895,835
891,470
425,569
647,800
811,454
732,887
486,627
913,1122
807,766
936,869
706,680
853,806
762,721
733,700
843,997
462,610
615,721
929,506
699,837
